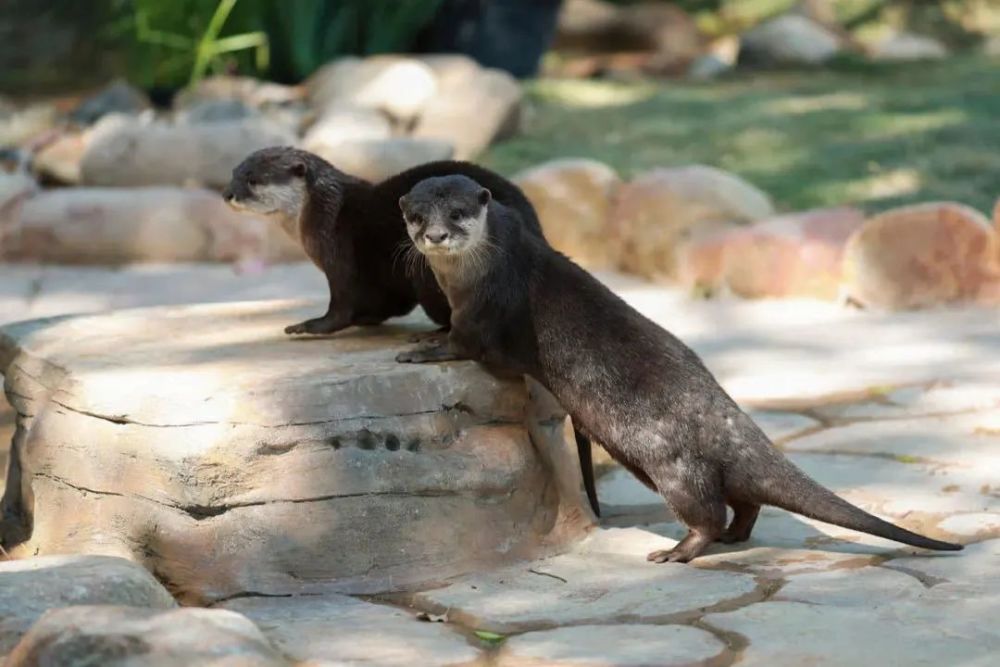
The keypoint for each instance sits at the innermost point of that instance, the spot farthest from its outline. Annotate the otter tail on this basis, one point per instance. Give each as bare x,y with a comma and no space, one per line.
793,490
587,470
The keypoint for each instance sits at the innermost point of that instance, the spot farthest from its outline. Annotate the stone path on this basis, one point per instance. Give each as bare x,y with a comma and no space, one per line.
899,413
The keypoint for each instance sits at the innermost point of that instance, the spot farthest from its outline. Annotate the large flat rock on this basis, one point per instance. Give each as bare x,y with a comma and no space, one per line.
228,458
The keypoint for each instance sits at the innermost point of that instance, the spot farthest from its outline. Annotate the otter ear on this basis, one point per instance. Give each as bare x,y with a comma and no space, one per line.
484,197
402,203
298,169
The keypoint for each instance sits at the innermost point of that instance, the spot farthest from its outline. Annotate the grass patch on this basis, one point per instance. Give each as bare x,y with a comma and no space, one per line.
878,136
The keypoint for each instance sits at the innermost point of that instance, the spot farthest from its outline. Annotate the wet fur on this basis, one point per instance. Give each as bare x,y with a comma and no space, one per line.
629,384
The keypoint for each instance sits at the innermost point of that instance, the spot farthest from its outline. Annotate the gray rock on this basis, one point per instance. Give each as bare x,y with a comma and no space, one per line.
339,629
236,460
116,97
15,188
343,125
376,160
128,637
472,111
904,47
30,587
604,578
215,111
132,153
612,645
707,67
789,40
252,92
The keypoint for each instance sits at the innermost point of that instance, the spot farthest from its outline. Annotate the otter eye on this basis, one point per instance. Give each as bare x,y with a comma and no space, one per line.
415,219
456,215
252,182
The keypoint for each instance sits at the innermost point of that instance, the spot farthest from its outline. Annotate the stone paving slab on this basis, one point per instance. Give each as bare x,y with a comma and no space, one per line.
618,645
335,629
604,579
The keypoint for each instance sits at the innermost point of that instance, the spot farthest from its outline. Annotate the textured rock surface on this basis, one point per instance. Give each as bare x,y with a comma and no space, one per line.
230,458
113,636
122,225
342,125
656,211
612,645
573,198
125,152
797,255
923,255
336,629
30,587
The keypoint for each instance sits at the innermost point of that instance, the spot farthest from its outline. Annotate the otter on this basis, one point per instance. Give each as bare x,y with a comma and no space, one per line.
353,231
626,382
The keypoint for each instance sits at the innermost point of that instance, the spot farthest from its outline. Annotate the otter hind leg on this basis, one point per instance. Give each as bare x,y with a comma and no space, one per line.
695,496
744,518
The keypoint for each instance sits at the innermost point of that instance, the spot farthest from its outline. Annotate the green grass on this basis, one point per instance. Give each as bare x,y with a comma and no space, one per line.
878,136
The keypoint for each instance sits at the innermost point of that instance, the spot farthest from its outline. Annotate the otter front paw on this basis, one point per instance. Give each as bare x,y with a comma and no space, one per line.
320,325
427,354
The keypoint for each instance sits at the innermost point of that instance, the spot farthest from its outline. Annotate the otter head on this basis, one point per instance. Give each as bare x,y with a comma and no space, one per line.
272,182
446,216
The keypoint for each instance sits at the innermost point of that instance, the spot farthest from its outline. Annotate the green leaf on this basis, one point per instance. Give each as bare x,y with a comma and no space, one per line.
490,637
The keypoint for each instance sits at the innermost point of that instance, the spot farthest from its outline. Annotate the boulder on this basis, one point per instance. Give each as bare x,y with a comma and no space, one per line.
398,86
251,92
31,587
922,255
129,152
902,47
472,111
796,255
232,460
215,111
124,225
343,125
116,97
658,210
60,159
376,160
121,636
573,198
790,39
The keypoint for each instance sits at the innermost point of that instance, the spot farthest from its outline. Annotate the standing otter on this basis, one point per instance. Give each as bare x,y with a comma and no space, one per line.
638,390
354,232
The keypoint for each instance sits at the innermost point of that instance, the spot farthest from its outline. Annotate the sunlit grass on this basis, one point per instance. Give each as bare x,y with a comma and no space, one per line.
876,137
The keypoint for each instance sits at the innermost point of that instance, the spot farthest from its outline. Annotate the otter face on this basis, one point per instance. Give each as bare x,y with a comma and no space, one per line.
446,216
271,181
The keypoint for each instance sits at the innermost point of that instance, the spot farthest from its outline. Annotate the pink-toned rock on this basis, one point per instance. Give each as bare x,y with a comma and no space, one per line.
573,198
923,255
61,159
796,255
123,225
658,210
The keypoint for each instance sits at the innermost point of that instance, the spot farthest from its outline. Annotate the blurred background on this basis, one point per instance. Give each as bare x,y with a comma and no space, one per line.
633,125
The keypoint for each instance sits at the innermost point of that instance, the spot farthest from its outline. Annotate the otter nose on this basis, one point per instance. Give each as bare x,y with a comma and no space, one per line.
435,237
227,194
